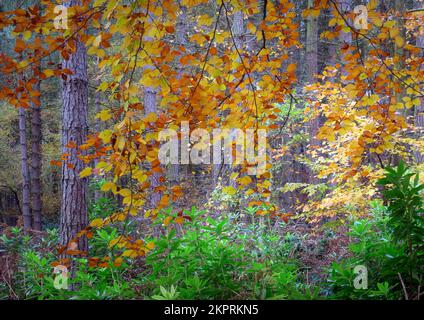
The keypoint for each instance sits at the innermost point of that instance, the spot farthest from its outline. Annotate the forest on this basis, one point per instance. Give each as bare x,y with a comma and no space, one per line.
211,149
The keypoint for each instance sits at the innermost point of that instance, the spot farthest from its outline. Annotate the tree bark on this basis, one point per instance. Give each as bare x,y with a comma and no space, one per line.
238,30
419,110
26,196
237,27
344,37
98,128
311,46
150,107
74,130
311,71
181,41
36,160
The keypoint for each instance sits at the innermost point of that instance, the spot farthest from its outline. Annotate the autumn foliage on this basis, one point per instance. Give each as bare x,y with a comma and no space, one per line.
197,64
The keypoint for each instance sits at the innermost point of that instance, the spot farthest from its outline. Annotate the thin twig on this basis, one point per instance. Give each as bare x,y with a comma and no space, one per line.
403,286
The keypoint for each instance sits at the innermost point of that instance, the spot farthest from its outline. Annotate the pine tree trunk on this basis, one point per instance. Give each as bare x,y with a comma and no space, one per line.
36,160
74,130
26,201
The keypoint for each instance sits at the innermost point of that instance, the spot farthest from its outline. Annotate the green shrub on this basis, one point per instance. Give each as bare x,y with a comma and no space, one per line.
389,244
33,277
221,259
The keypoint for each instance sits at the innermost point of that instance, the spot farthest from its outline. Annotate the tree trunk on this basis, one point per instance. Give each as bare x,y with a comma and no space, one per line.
26,201
98,128
74,130
311,46
238,30
181,41
237,27
311,71
36,160
419,110
344,37
150,107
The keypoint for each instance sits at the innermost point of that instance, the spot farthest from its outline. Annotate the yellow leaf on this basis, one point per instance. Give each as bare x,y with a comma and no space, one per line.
133,212
151,117
86,172
315,12
49,73
125,192
104,115
164,201
108,186
249,192
103,86
205,20
26,35
117,262
101,165
399,41
251,27
98,3
245,180
291,68
113,242
105,136
167,221
133,90
96,223
179,220
229,190
97,40
198,38
234,175
372,4
130,253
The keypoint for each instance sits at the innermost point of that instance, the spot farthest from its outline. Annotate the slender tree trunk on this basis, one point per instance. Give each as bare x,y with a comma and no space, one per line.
181,41
344,37
151,107
237,27
419,110
36,160
311,46
26,201
238,31
74,130
311,71
312,59
98,128
397,53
